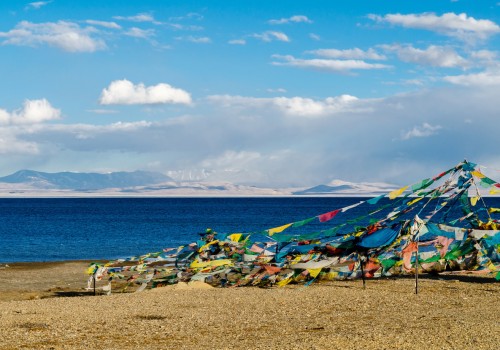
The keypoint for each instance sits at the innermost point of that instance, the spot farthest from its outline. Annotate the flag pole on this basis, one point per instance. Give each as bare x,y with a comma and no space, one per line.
416,271
362,270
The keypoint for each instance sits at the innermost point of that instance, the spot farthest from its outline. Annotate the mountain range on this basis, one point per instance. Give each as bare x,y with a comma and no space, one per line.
144,183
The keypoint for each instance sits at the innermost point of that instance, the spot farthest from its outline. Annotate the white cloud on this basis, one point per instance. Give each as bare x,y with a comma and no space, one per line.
311,140
140,33
271,36
314,37
190,16
126,93
231,160
294,19
338,66
355,53
66,36
425,130
37,4
486,78
10,145
177,26
237,42
32,112
141,17
460,26
105,24
293,106
436,56
195,39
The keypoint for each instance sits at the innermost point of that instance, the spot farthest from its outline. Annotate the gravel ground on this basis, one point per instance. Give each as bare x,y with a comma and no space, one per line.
451,313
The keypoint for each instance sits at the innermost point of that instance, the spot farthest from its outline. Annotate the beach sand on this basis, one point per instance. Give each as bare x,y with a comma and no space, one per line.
44,306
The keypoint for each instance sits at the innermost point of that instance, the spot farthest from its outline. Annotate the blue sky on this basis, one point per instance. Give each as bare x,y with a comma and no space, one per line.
275,93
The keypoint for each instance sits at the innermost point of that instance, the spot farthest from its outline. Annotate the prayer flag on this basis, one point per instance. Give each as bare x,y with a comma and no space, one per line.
397,193
351,206
328,216
272,231
375,199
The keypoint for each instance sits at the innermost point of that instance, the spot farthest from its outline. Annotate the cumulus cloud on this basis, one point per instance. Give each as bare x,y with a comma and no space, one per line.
271,35
126,93
355,53
489,77
436,56
330,65
460,26
32,112
292,19
105,24
293,106
63,35
425,130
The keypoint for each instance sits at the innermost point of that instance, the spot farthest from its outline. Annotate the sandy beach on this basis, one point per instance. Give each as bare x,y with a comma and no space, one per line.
44,306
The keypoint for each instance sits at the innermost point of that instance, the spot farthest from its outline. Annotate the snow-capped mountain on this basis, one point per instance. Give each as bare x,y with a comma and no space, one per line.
339,187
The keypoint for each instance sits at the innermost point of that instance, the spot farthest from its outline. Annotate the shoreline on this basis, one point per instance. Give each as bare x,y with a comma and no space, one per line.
44,306
51,279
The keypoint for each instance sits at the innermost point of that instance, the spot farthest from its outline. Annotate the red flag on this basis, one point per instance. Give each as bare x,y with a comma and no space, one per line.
328,216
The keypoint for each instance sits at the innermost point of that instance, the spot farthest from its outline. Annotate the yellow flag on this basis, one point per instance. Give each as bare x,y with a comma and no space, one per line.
204,247
415,200
272,231
494,191
91,270
284,282
211,263
397,193
494,210
477,174
473,200
314,272
235,237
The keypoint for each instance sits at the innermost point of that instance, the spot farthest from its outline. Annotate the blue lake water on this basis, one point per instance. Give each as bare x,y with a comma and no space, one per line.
108,228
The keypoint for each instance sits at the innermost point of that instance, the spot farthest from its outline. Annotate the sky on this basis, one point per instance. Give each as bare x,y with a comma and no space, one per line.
266,93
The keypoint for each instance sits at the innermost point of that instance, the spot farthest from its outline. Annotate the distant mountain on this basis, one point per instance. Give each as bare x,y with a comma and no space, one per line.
84,181
197,188
150,184
339,187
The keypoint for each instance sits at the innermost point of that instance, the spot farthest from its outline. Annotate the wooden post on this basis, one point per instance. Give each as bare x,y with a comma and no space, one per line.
416,271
